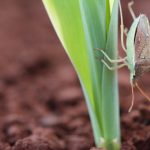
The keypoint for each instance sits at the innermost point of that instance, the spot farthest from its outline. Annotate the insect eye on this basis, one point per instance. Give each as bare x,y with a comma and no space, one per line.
134,79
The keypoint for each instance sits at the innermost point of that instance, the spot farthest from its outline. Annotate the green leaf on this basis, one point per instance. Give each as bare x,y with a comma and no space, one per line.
110,85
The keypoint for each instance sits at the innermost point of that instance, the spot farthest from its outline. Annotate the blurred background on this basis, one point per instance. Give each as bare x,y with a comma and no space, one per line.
41,103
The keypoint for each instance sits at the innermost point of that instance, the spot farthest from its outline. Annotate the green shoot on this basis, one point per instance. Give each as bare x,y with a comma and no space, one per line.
82,26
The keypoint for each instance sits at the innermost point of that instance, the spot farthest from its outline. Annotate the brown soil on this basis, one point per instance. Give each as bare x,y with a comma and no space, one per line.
41,103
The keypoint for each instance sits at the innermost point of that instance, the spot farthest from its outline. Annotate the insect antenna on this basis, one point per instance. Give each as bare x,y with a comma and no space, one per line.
132,102
142,92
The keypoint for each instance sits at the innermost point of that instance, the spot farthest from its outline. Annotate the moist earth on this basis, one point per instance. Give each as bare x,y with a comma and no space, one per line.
41,102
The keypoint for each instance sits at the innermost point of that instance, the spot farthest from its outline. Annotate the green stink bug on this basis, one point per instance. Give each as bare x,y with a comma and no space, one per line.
138,49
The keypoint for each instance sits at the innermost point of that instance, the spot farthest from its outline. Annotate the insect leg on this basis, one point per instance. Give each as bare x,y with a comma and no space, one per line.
113,68
131,10
142,92
133,98
122,28
109,59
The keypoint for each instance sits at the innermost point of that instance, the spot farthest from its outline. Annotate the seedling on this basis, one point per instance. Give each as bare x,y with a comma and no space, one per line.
82,25
137,50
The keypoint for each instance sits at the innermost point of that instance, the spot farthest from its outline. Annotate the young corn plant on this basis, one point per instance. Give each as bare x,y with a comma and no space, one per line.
82,26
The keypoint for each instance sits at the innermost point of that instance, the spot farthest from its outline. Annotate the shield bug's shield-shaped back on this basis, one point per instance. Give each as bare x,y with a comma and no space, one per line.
142,47
138,47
